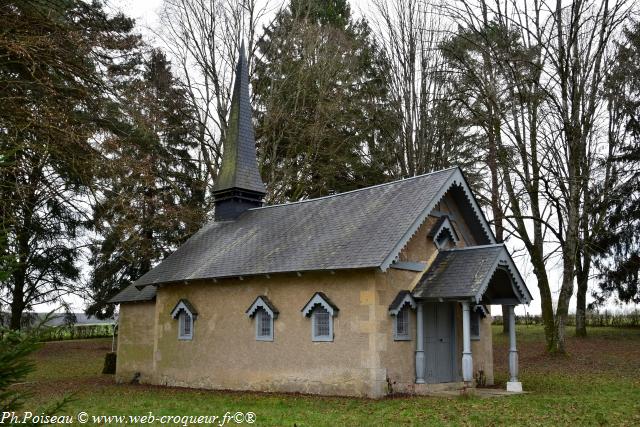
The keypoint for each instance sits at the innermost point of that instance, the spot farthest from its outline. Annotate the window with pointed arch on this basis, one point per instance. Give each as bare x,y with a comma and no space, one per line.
264,313
186,315
321,311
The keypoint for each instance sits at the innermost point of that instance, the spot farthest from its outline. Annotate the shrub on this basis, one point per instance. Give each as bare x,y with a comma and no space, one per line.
109,363
15,366
15,348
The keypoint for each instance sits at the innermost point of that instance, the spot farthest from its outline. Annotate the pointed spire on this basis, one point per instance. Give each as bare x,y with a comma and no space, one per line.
239,177
239,165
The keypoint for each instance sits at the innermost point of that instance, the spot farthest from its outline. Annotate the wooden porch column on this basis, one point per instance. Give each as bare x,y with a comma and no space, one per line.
467,359
513,384
420,343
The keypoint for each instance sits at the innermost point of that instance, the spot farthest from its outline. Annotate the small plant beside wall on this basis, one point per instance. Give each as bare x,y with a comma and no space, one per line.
481,378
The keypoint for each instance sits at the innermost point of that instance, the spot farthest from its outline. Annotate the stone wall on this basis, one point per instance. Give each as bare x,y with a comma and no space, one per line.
136,330
482,352
224,353
363,359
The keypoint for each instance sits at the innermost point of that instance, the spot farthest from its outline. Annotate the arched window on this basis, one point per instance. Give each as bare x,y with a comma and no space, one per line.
186,315
400,310
322,311
264,313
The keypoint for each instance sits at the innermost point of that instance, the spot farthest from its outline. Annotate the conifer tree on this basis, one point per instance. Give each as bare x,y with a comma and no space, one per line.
152,194
618,259
53,55
325,123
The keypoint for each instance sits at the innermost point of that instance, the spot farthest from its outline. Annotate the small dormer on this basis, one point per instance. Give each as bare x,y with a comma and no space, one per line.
443,234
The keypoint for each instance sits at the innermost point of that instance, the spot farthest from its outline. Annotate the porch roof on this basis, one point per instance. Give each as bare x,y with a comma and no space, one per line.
485,274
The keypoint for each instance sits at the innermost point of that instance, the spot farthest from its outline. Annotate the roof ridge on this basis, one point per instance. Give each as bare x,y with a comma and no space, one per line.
353,191
468,248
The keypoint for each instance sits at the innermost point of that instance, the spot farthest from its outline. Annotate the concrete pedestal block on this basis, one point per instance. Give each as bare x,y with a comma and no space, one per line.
514,386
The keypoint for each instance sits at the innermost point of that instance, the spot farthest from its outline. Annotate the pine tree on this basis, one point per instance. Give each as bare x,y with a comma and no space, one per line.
152,197
618,259
324,119
52,97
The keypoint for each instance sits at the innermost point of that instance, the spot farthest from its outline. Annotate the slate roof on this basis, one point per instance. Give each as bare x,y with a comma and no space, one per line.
365,228
357,229
239,166
466,272
133,294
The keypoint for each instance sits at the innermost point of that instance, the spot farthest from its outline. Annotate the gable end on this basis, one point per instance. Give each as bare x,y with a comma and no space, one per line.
474,216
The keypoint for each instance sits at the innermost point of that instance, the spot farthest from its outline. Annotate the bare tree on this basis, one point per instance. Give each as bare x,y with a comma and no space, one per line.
410,33
584,36
580,38
204,37
553,109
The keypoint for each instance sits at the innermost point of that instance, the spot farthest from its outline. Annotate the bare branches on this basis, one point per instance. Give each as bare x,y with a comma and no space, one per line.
545,82
204,37
410,33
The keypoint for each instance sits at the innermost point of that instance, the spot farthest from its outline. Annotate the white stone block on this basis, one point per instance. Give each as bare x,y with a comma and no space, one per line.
514,386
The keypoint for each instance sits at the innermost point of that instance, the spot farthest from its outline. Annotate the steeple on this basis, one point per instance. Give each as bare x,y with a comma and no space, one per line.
239,186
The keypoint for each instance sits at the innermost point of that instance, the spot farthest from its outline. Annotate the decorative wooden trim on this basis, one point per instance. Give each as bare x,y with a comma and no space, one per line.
264,303
400,302
184,304
457,179
319,299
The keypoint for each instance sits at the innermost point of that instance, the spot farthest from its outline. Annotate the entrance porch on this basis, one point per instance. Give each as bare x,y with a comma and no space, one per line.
465,280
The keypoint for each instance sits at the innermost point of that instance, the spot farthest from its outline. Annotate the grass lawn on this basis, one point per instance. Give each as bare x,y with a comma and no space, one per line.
598,383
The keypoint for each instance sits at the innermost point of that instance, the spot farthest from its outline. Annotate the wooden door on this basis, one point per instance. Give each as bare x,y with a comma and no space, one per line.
439,342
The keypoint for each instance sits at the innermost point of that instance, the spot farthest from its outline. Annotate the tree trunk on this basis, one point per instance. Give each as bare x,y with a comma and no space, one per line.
17,301
493,132
581,311
583,258
568,276
546,301
16,313
23,237
581,297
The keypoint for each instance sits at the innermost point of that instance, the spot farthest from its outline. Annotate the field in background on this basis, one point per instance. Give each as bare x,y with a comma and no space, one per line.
616,319
598,383
75,332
